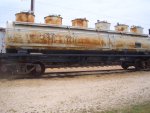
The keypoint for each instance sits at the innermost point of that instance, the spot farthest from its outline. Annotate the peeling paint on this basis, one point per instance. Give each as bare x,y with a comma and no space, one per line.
80,22
25,17
53,19
59,39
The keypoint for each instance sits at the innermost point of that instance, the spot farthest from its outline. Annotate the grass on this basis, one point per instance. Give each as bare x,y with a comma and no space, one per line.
143,108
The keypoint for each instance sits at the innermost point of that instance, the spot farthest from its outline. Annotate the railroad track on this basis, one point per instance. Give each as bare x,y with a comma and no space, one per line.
89,72
70,74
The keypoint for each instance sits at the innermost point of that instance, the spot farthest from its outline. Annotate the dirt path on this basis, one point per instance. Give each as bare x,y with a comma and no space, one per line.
77,94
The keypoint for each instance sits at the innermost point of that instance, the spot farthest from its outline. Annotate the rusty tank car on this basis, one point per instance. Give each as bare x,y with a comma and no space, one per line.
43,37
28,47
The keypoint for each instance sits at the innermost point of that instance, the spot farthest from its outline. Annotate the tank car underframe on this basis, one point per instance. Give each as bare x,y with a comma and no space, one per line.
35,64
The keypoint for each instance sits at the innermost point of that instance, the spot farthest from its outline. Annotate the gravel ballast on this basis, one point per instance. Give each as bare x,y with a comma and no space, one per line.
74,94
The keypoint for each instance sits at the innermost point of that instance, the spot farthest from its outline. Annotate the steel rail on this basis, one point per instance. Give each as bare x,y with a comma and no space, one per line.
89,72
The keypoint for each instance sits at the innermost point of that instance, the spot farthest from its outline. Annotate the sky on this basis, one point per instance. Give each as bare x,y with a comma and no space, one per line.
130,12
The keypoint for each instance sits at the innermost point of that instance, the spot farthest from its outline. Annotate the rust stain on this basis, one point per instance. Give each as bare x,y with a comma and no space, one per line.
47,38
111,42
41,38
102,42
145,45
121,28
69,40
36,37
52,19
134,29
131,45
80,22
16,38
86,41
119,44
24,17
51,40
59,39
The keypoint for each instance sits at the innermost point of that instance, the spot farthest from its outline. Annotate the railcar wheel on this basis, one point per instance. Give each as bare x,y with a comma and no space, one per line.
147,64
124,65
3,69
39,70
143,65
139,65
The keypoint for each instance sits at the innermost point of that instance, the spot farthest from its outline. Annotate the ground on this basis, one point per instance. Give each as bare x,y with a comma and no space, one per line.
76,94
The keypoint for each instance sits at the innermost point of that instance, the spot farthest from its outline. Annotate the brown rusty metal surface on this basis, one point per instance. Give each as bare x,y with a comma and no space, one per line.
80,22
145,44
59,39
48,40
53,19
25,17
121,28
136,30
